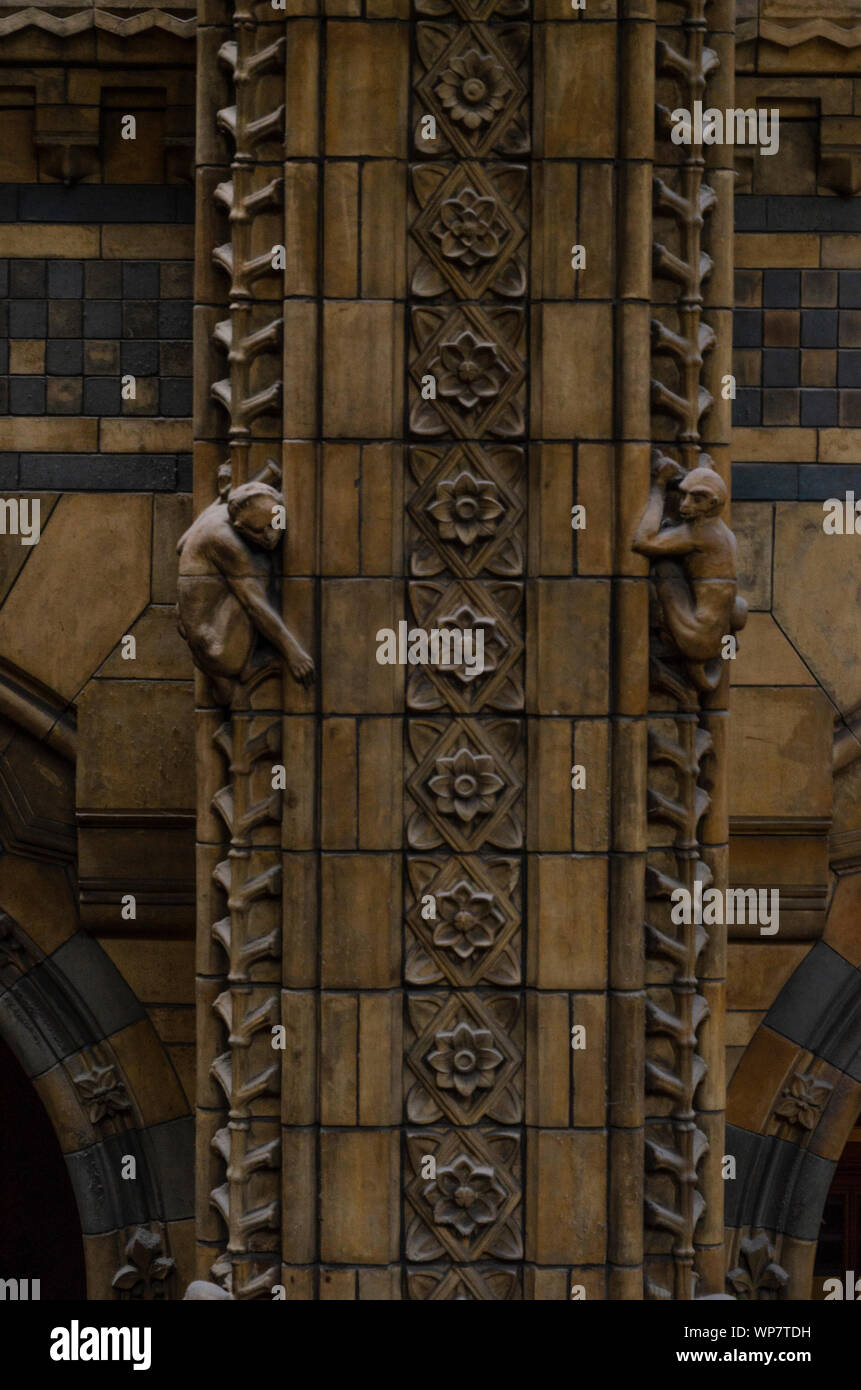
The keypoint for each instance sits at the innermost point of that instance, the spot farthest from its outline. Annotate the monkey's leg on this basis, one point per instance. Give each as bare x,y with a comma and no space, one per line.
694,636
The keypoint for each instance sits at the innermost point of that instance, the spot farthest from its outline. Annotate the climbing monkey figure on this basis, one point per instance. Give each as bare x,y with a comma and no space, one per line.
694,563
225,571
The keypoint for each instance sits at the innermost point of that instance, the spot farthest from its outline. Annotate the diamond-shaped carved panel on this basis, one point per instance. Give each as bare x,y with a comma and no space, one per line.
468,230
481,665
467,1208
468,508
465,1059
472,87
463,921
467,371
463,784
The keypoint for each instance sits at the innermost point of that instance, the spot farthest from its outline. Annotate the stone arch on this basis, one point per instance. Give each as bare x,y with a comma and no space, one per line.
791,1106
76,1026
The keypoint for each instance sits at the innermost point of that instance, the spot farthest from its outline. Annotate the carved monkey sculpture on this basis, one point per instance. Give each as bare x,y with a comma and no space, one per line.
694,567
223,600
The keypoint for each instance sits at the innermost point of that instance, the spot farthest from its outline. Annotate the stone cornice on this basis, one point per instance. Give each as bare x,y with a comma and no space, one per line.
90,17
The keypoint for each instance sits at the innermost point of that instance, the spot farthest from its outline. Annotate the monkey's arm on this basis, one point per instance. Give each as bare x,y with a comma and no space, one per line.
251,593
675,540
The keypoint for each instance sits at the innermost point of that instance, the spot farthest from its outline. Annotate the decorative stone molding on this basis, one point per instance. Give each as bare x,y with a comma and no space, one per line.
92,18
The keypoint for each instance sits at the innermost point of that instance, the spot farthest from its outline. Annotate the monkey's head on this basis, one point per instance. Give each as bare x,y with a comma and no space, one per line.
251,508
703,494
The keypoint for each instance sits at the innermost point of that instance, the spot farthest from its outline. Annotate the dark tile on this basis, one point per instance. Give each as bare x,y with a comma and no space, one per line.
102,990
28,318
39,1035
174,320
4,356
4,396
102,318
818,408
176,396
819,328
813,214
98,472
746,328
64,356
175,359
184,473
819,289
101,358
8,470
781,367
140,279
65,394
103,279
145,399
96,202
172,1147
765,482
140,319
778,1186
177,280
781,289
65,279
4,278
850,289
103,1197
750,213
850,328
780,407
26,395
141,359
65,318
101,395
819,481
747,409
27,279
821,992
849,369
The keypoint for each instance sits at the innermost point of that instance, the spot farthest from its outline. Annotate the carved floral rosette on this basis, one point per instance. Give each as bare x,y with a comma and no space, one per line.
466,491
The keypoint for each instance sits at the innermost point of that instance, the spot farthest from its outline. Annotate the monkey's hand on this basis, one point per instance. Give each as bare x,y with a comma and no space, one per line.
665,470
301,666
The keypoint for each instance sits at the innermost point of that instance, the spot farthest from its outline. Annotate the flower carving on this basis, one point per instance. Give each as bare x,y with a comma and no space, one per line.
758,1274
465,784
465,1059
466,1195
802,1100
468,920
468,228
147,1267
472,371
473,88
465,508
464,620
103,1093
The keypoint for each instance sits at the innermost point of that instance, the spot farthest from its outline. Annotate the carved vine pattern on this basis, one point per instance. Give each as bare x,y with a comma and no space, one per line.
680,747
466,502
247,929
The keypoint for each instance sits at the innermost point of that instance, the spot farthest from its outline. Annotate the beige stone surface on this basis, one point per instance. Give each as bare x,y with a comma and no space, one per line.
752,524
160,652
756,973
766,657
147,728
359,1178
360,921
565,1193
86,581
779,752
567,945
163,976
817,581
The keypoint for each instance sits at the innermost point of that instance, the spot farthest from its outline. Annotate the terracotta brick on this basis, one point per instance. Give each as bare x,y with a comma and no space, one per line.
68,241
567,633
360,896
298,1196
380,1039
145,436
341,229
352,680
589,1064
756,974
381,521
595,465
788,249
300,228
572,373
340,503
550,798
337,1284
567,945
339,791
579,67
26,356
152,1081
774,445
548,1045
384,213
339,1022
592,802
302,114
359,1172
764,1069
551,485
380,797
298,753
300,369
147,242
33,433
565,1231
554,210
368,114
299,1058
363,369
